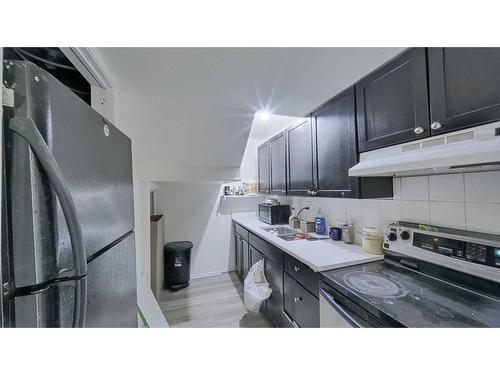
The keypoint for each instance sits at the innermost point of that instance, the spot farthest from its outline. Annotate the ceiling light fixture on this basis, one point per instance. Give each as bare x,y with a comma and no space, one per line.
264,116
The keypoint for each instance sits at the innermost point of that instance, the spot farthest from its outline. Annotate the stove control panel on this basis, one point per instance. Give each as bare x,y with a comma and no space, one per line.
464,250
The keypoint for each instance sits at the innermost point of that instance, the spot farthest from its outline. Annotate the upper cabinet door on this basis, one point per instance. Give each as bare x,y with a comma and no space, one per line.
464,87
278,164
263,168
392,105
335,145
300,171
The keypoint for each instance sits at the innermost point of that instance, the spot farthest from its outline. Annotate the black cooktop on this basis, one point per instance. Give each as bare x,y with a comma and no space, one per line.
412,299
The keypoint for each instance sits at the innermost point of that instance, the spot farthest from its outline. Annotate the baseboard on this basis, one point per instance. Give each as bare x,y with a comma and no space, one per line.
203,275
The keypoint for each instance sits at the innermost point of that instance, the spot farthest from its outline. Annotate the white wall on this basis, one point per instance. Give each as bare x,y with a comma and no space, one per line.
175,143
196,212
464,201
102,100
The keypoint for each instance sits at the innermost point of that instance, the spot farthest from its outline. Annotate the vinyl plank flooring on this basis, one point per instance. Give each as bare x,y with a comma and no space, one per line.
210,302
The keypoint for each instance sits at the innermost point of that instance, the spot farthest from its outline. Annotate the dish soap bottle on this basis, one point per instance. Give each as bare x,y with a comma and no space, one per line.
320,223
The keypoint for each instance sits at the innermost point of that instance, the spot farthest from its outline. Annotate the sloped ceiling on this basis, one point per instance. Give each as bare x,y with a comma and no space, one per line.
192,108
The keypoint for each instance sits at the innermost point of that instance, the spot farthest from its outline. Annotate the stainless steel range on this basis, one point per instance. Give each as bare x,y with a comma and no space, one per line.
430,277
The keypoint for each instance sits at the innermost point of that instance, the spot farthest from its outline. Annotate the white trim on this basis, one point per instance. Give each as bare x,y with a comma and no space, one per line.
89,66
203,275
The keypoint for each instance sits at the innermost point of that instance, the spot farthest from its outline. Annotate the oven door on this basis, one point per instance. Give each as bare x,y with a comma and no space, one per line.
334,315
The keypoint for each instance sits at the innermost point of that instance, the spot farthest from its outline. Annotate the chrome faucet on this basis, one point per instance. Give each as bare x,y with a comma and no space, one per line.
302,209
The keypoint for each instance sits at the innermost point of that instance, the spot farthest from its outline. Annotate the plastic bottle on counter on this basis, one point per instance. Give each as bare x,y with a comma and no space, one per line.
320,223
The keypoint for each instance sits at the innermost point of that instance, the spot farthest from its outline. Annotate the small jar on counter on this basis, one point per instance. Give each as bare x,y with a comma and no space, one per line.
372,241
347,233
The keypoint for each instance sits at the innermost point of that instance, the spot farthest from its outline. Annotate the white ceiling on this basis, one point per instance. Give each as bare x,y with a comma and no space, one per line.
203,99
265,128
284,81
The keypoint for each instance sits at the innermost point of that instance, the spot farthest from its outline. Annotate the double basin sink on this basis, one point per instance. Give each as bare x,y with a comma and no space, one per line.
289,234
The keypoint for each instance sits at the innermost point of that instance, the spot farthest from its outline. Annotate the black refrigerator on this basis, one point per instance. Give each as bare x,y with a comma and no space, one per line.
68,253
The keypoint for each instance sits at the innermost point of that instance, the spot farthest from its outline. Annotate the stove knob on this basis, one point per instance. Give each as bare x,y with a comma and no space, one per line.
392,236
405,235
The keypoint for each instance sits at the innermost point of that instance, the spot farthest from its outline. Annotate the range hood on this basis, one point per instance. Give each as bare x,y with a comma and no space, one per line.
476,149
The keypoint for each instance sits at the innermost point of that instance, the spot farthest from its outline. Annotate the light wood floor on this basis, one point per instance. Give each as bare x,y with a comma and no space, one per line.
210,302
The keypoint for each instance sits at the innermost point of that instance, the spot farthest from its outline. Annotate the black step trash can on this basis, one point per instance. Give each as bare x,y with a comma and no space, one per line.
176,261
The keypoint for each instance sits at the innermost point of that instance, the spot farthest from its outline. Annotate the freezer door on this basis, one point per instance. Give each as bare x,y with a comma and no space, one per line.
95,160
111,297
51,308
112,287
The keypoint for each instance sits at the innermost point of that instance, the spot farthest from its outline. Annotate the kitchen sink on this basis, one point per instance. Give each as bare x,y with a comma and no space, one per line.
289,234
298,236
280,231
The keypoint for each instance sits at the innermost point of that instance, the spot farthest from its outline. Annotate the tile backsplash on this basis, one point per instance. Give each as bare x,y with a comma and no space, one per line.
468,201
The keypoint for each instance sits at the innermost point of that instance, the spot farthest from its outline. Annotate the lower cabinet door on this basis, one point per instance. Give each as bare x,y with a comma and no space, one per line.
245,258
300,305
274,304
237,255
255,256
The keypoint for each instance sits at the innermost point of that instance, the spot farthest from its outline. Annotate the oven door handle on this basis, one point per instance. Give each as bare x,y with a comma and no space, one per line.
343,312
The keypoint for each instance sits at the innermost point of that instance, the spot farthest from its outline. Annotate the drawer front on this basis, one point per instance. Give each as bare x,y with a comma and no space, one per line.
268,250
241,231
302,273
300,305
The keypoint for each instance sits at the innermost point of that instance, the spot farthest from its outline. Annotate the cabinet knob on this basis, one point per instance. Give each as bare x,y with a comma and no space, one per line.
297,299
436,125
419,130
296,269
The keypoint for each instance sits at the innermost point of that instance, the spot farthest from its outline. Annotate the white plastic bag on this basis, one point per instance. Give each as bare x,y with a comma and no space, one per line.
256,288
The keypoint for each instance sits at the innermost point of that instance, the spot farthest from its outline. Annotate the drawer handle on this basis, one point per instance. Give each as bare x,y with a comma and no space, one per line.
436,125
419,130
297,299
296,269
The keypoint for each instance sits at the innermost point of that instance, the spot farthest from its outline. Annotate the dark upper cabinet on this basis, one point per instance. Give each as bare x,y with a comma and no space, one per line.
392,102
334,141
277,152
300,158
464,87
263,168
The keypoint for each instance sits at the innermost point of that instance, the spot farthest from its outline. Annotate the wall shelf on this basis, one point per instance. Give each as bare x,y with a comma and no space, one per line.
241,196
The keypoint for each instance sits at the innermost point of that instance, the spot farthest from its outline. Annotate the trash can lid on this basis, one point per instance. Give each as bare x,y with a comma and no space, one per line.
178,245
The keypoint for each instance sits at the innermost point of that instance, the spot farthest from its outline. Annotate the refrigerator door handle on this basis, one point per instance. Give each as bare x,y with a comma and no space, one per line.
27,129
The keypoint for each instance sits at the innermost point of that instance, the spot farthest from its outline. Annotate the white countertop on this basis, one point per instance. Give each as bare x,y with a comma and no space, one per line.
321,255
